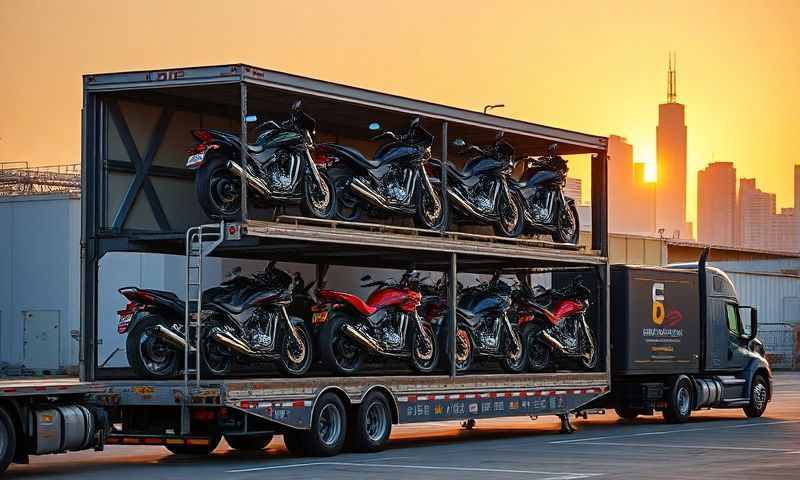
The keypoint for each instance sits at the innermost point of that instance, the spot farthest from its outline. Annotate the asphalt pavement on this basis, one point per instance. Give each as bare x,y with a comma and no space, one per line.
713,444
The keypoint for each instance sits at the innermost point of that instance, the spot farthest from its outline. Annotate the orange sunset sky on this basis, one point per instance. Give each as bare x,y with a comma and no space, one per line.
593,66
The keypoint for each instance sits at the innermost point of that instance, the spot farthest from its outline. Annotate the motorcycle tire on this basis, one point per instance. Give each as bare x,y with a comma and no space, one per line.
423,365
216,361
572,236
348,205
421,220
591,362
218,189
148,356
539,354
309,205
521,363
291,363
465,351
514,228
339,354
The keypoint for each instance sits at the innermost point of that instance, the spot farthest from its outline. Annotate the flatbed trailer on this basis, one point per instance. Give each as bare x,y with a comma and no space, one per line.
138,197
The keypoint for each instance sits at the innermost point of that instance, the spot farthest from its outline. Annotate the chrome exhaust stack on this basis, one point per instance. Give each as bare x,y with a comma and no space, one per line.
363,339
366,192
252,181
237,345
171,337
555,344
463,204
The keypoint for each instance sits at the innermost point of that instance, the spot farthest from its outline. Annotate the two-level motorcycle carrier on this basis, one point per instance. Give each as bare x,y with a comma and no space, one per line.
144,201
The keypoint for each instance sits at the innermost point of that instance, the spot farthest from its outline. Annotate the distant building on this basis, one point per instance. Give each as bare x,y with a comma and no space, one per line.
671,165
785,226
755,217
630,198
716,204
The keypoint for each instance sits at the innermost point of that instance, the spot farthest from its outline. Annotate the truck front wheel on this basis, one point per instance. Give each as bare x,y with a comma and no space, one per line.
8,440
758,397
679,403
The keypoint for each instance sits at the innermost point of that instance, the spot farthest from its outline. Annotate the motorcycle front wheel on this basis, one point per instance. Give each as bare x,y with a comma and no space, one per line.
319,199
514,361
296,355
424,349
340,354
589,358
538,352
568,230
431,213
511,222
148,355
218,189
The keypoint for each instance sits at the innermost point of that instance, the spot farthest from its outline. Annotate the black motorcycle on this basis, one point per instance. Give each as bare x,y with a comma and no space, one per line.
245,318
481,192
280,168
395,181
484,328
547,209
554,324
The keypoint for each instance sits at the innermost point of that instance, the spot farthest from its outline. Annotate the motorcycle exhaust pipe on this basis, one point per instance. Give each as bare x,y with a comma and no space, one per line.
463,204
367,193
169,336
364,340
252,181
552,341
228,340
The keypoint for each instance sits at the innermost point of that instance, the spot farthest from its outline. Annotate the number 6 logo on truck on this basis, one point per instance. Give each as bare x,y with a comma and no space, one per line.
658,305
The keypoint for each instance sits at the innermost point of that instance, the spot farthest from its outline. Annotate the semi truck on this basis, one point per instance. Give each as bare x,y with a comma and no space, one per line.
670,344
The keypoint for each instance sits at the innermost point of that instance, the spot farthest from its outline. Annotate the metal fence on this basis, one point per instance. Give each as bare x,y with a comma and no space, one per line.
780,342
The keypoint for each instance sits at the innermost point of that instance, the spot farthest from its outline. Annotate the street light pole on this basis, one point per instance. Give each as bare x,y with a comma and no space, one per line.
490,107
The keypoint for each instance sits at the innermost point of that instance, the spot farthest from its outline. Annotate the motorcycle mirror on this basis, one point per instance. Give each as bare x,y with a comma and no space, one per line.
235,271
366,278
374,126
296,105
459,142
251,118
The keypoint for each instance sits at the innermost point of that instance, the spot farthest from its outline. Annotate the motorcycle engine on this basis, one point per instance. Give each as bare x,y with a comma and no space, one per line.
279,172
483,196
487,337
395,185
258,329
565,332
540,206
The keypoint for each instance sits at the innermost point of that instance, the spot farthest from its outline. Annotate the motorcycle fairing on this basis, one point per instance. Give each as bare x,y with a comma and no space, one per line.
407,300
240,301
349,298
541,178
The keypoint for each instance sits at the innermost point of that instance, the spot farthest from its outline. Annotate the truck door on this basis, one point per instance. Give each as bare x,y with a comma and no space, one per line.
737,346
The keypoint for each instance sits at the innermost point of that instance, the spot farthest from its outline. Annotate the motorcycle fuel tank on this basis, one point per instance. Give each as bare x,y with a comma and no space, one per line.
480,302
278,138
483,166
394,153
406,300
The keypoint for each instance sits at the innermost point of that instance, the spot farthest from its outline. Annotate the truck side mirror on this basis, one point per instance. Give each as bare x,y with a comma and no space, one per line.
752,327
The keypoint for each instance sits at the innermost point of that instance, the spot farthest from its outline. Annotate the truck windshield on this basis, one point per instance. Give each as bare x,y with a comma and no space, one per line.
733,319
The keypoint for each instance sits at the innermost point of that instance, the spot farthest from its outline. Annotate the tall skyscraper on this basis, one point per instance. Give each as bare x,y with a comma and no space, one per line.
630,198
756,217
716,203
671,163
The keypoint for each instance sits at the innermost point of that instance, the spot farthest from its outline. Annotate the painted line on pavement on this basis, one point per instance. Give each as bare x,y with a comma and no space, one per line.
550,475
667,432
704,447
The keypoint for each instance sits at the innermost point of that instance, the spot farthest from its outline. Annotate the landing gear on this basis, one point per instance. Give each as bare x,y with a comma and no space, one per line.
566,424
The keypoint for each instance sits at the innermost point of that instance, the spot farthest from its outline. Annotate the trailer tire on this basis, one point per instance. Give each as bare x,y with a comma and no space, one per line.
249,443
373,424
213,442
295,442
680,401
8,440
328,427
759,391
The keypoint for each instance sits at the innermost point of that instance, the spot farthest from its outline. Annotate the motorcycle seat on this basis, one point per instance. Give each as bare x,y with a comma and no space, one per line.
360,305
352,155
236,304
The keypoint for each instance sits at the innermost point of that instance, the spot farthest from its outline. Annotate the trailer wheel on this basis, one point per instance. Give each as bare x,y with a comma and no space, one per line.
249,443
373,424
328,427
627,413
8,440
679,403
758,397
184,449
295,442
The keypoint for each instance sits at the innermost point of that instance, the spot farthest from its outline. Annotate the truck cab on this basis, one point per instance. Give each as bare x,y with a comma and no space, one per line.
682,342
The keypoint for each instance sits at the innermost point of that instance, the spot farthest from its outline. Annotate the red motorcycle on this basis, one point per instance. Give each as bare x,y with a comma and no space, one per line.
386,325
553,323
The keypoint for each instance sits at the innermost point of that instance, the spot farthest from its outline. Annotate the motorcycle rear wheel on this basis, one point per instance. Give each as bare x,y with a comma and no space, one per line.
218,189
215,360
569,229
424,361
149,356
339,353
538,353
